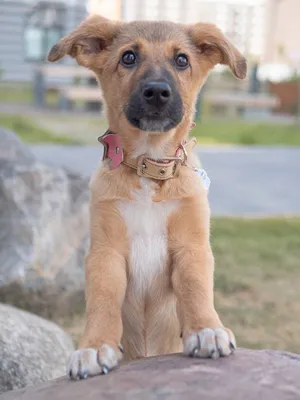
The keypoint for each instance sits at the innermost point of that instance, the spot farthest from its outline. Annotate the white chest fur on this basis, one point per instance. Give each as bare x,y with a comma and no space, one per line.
147,230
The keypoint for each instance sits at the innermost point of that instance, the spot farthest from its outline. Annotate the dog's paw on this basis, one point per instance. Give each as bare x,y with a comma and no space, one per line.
210,343
89,362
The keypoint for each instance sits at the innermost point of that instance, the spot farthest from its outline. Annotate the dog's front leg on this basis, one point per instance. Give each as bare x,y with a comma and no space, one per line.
192,279
100,349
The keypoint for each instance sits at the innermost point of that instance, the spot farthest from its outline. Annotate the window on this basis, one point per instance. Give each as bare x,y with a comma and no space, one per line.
44,26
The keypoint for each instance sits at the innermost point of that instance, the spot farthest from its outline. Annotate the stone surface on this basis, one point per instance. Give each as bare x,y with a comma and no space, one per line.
32,350
248,375
12,149
43,232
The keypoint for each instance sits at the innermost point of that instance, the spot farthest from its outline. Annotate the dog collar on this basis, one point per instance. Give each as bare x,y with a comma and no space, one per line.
163,169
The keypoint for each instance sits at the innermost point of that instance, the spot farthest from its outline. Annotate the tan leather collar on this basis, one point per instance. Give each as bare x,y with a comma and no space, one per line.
164,169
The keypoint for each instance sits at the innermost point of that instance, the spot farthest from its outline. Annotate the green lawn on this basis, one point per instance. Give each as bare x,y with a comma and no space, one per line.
246,133
29,131
257,281
84,129
23,94
20,93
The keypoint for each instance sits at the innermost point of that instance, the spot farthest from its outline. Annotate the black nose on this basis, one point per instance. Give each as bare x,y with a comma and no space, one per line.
157,93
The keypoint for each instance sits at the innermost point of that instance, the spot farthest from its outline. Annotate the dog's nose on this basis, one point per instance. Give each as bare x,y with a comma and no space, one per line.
157,93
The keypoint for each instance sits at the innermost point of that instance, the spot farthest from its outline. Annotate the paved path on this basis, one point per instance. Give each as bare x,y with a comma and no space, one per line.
245,181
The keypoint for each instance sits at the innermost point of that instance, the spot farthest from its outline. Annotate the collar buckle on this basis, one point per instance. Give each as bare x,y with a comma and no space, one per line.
182,150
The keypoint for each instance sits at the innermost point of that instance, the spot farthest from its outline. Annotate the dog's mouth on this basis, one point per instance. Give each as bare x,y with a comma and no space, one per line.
153,123
147,120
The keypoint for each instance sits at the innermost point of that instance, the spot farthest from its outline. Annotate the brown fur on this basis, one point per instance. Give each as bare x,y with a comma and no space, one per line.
181,298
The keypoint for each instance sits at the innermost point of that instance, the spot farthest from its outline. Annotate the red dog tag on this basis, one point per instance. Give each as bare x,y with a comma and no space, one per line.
112,149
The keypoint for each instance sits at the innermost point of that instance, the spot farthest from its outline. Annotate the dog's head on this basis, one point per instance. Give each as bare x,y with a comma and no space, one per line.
150,72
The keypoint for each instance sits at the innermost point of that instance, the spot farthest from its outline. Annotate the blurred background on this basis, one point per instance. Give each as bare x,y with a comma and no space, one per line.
248,134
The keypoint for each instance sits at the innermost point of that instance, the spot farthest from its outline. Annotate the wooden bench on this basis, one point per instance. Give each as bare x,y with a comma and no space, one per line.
47,78
68,94
64,71
234,102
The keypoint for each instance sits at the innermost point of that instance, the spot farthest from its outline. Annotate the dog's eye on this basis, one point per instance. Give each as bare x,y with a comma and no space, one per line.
182,61
128,58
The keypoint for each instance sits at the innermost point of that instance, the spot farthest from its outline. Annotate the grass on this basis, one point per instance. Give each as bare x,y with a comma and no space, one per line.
240,133
257,281
84,129
246,133
23,94
29,131
20,93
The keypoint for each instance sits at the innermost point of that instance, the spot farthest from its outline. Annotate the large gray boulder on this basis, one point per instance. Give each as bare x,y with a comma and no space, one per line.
43,232
32,350
248,375
12,149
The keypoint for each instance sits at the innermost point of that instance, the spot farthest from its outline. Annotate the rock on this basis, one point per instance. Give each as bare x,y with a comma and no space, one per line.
32,349
248,375
43,232
12,149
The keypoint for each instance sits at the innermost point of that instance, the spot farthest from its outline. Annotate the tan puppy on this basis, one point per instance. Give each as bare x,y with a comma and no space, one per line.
149,271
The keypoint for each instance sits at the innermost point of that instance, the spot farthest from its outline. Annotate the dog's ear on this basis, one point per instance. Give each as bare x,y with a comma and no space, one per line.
91,37
212,43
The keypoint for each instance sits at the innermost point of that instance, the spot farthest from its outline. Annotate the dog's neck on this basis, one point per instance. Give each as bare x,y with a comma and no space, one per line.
157,146
154,146
147,165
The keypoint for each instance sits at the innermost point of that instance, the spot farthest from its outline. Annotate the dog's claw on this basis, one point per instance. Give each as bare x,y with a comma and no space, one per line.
195,351
85,374
220,351
105,370
232,347
214,354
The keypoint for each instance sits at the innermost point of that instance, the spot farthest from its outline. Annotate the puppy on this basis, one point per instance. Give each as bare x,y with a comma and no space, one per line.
149,270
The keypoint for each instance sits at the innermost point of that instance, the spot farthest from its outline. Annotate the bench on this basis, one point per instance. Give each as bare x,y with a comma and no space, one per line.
248,102
64,71
47,78
68,94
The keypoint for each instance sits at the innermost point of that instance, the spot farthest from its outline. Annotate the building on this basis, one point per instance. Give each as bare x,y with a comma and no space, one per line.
107,8
175,10
282,43
267,30
14,15
243,23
